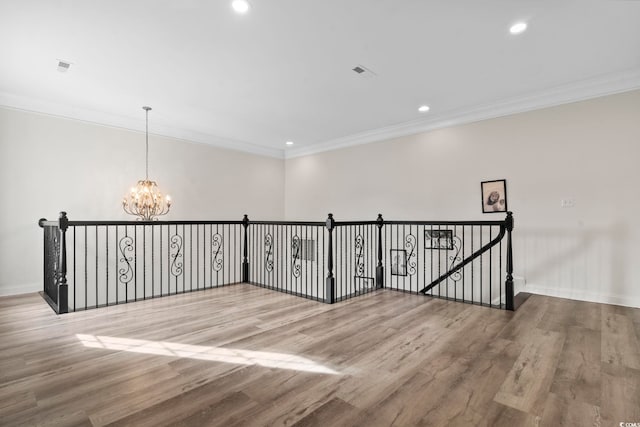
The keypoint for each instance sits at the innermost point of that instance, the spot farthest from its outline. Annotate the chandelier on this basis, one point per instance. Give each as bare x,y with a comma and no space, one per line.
145,199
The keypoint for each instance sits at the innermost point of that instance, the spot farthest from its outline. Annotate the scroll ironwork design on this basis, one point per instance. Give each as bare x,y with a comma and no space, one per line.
56,253
176,255
52,261
359,246
125,271
455,259
268,249
296,268
217,259
410,243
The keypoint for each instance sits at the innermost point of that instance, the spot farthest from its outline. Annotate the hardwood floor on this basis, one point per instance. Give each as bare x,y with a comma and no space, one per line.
242,355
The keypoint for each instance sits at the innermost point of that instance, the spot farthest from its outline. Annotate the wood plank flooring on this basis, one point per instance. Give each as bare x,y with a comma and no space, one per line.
243,355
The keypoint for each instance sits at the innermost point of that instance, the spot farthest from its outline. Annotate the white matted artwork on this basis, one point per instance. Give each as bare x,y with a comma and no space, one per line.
398,262
438,239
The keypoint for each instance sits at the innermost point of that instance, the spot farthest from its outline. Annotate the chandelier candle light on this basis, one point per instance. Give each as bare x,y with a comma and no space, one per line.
145,199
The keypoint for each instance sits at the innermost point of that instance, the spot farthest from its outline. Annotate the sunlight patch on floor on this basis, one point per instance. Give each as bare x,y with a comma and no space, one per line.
215,354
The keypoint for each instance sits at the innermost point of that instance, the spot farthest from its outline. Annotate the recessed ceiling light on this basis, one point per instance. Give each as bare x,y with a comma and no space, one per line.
240,6
289,143
423,108
518,27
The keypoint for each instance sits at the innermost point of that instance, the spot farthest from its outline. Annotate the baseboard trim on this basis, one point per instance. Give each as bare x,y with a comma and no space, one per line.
582,295
26,288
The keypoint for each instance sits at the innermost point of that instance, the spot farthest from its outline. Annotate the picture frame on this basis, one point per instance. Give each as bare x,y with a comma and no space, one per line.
438,239
364,283
494,196
398,262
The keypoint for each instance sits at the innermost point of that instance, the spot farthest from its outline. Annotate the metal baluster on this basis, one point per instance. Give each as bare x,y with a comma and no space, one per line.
86,289
160,257
153,261
500,273
439,266
463,257
472,275
424,257
455,284
135,262
96,272
431,256
490,268
481,274
75,273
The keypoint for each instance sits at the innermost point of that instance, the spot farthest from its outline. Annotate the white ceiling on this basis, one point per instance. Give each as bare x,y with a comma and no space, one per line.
283,71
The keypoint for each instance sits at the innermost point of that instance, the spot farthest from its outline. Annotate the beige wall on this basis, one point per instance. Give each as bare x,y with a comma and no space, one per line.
49,164
588,151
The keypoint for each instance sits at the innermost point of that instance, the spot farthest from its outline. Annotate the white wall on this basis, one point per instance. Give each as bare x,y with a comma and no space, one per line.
49,164
588,151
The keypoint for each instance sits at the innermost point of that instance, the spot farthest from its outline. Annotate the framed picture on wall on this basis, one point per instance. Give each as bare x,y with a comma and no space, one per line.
398,262
438,239
494,196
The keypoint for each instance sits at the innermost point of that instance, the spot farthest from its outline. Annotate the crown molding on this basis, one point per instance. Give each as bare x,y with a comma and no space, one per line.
122,122
602,85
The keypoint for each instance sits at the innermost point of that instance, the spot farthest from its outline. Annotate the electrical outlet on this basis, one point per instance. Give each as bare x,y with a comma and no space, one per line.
567,203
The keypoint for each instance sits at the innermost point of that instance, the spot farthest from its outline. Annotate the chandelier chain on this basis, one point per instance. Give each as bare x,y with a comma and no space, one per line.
146,154
145,199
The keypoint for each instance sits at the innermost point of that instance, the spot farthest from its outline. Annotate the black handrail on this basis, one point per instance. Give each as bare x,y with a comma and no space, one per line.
303,223
460,223
351,223
183,222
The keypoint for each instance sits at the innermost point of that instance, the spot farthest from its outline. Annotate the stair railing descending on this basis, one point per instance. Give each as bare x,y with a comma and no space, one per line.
457,260
115,262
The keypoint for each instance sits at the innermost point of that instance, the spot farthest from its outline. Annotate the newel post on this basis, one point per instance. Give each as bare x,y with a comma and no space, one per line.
509,282
379,267
330,285
63,289
245,249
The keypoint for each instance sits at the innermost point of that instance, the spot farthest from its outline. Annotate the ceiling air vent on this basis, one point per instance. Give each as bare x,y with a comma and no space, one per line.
363,71
63,66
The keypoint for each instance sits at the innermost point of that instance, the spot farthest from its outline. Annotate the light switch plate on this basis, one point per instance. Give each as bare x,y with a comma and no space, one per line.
568,202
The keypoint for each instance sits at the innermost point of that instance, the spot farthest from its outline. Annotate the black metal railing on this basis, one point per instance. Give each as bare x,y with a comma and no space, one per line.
114,262
289,257
355,255
458,260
